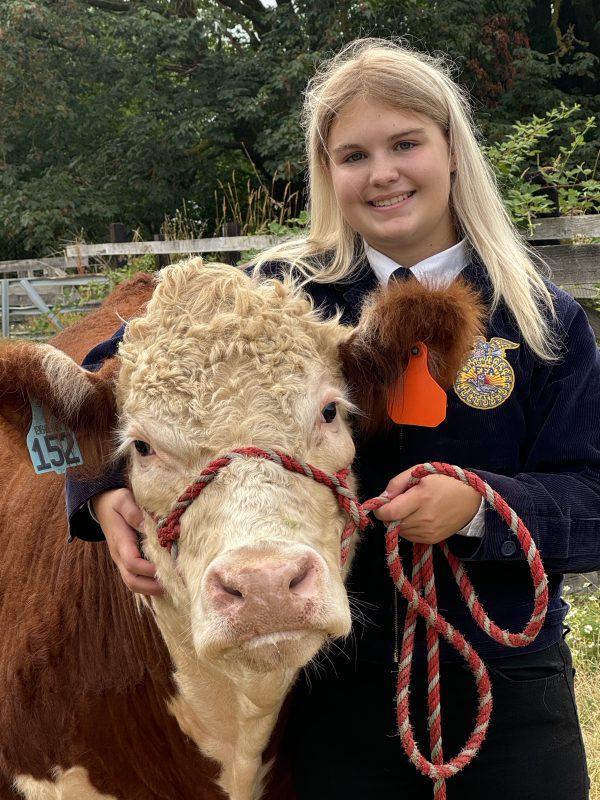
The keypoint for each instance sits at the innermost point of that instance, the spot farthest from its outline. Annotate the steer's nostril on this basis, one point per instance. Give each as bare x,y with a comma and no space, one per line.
305,584
233,592
298,579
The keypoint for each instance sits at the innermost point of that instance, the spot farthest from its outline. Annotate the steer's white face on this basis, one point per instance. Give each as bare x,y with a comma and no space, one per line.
218,363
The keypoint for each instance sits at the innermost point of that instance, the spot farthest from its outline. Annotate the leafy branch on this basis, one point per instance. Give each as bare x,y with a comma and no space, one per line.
533,187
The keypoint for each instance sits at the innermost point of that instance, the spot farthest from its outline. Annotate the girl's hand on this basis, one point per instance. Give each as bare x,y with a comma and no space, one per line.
120,519
430,511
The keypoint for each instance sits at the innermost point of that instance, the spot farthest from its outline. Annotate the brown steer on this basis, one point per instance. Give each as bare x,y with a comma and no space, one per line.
177,697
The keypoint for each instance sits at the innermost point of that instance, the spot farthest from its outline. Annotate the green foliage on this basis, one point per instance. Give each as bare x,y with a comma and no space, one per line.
96,122
254,206
584,620
525,175
119,110
185,223
294,226
584,640
135,264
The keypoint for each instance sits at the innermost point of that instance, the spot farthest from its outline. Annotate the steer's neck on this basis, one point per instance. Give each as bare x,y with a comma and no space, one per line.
230,718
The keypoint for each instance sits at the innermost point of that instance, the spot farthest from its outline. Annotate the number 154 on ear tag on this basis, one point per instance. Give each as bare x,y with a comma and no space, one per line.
52,446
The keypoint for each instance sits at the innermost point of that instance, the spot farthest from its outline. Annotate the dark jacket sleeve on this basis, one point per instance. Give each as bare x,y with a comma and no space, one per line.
557,493
77,490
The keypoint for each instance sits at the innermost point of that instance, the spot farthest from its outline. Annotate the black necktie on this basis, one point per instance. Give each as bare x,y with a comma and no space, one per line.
400,274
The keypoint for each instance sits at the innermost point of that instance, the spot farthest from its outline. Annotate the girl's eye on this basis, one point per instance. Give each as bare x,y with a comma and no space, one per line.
354,157
143,448
405,145
329,413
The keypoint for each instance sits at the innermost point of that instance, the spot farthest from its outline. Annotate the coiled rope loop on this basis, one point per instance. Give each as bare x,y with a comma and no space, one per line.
419,593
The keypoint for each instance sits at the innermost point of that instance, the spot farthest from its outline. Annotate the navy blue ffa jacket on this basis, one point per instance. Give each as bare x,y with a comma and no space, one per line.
530,429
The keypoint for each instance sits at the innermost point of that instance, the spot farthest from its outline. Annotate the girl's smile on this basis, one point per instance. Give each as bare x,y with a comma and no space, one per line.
391,201
390,172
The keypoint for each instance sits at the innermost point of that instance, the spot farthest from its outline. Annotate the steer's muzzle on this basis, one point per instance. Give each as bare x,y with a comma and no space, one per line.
259,593
270,605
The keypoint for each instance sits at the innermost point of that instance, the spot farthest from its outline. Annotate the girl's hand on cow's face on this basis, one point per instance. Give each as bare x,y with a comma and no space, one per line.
431,510
120,519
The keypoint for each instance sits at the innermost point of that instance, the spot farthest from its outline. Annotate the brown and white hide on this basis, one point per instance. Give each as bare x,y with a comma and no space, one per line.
178,696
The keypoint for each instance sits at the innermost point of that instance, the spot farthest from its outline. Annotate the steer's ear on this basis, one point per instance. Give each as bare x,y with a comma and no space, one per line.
376,354
83,401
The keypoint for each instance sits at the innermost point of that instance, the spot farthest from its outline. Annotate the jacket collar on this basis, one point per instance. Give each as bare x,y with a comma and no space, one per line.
354,294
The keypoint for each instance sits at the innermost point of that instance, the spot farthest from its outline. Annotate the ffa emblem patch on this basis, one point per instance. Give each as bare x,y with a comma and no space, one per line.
486,379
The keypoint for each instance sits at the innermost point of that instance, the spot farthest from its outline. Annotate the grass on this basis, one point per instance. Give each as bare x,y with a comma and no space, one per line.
588,700
584,640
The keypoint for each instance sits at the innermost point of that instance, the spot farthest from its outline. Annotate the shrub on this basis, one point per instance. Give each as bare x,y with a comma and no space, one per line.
532,186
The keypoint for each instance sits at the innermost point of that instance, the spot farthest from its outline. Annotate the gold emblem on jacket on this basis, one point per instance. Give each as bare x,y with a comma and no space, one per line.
486,379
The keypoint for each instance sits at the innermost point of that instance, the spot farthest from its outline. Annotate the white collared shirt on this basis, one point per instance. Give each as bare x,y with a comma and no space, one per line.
438,270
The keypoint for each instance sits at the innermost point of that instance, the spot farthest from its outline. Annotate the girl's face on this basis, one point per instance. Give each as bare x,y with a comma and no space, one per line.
390,172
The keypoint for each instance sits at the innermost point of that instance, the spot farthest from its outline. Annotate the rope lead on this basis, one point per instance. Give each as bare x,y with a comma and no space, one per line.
419,593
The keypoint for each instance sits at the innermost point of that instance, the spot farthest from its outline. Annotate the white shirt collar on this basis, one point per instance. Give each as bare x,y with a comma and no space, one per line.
438,270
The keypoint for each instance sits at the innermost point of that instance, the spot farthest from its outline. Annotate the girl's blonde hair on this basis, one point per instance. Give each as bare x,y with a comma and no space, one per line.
402,78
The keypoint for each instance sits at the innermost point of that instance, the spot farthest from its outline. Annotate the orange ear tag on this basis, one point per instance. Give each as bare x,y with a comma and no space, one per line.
417,399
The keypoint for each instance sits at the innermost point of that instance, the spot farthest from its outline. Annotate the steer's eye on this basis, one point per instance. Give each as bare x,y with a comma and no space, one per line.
143,448
329,413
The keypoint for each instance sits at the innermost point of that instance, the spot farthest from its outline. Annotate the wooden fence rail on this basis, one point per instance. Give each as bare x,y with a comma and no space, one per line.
223,244
566,227
574,266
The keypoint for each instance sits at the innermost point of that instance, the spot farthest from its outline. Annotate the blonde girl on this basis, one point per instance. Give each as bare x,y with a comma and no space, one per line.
399,186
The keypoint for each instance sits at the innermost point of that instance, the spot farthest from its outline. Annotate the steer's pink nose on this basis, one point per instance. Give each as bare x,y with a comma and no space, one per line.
277,577
262,592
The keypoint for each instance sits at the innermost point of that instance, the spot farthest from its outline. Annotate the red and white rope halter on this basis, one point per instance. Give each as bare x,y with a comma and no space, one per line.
419,592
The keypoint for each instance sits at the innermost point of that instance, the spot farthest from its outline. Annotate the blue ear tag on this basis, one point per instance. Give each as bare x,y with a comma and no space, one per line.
52,446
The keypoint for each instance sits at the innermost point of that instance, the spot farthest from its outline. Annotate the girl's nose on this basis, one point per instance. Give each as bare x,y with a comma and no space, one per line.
383,170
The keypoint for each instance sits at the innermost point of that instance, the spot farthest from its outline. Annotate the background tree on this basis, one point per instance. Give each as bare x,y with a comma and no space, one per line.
124,109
